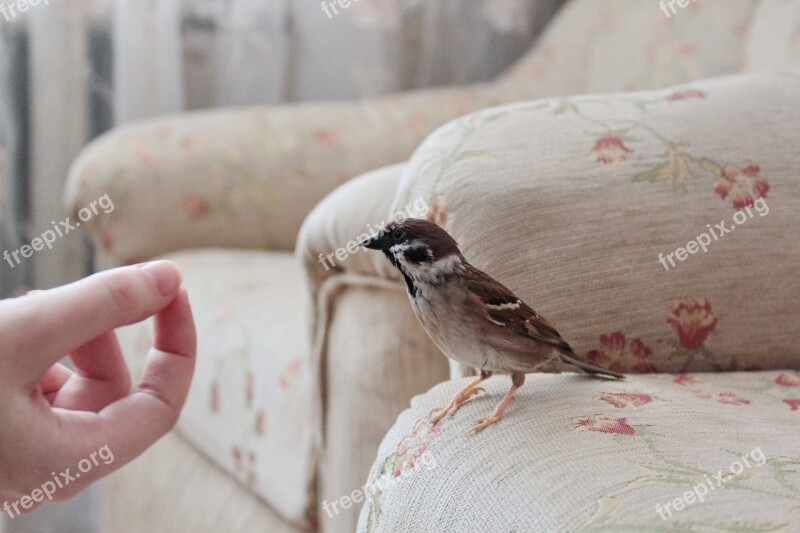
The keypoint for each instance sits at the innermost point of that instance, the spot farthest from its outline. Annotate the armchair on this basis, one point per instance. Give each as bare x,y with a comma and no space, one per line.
274,407
654,229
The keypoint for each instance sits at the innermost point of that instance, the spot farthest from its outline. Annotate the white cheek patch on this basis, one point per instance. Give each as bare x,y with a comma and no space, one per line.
398,248
430,272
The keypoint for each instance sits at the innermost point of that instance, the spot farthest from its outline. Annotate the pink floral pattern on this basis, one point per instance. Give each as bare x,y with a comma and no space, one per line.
413,447
290,373
687,380
743,185
725,397
196,207
788,379
622,400
685,94
793,403
693,321
410,450
619,355
605,424
438,213
610,150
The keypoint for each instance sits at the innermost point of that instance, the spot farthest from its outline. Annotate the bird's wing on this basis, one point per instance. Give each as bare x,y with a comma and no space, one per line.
504,308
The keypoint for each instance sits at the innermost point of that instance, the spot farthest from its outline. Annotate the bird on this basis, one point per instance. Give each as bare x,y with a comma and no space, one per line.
471,317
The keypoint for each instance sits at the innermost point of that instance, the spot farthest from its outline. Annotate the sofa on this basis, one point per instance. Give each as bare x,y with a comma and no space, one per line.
654,230
308,348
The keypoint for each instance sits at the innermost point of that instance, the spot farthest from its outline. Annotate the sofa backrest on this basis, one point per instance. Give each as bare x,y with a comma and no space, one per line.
625,45
656,230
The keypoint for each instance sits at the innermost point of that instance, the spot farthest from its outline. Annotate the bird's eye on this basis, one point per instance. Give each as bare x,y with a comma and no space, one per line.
399,234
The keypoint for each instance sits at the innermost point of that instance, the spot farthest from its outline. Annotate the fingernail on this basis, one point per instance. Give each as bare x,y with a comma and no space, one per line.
165,275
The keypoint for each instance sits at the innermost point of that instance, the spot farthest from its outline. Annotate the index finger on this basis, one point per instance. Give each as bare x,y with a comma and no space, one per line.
60,320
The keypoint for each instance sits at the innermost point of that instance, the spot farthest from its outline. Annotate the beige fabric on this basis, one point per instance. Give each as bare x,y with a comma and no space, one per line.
774,40
249,410
224,178
570,202
344,218
373,367
583,454
371,354
172,488
625,45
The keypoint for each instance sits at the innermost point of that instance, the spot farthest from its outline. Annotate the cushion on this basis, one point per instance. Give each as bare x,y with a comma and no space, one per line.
773,43
143,496
624,45
655,230
249,408
689,452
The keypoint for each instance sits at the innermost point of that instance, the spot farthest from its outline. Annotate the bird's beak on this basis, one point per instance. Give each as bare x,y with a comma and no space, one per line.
379,241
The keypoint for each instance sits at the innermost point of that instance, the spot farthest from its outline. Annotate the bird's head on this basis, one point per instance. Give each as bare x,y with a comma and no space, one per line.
418,248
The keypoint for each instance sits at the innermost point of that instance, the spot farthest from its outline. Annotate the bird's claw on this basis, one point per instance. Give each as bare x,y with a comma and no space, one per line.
436,414
484,423
455,406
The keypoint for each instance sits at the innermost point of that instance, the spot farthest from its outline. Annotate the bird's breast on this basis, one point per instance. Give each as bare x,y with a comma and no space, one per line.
441,316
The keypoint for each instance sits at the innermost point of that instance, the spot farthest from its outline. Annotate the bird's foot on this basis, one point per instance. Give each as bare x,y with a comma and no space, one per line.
461,399
455,404
437,414
485,422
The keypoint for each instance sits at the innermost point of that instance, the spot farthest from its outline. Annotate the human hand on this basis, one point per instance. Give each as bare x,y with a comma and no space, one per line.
52,418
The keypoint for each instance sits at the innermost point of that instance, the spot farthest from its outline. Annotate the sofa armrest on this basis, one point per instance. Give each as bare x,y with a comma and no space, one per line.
368,349
602,213
247,177
327,243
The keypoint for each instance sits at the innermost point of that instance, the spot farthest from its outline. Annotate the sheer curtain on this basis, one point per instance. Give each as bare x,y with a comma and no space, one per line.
7,170
89,65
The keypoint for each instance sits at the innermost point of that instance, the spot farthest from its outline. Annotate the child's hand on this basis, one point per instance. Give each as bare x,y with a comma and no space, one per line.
51,418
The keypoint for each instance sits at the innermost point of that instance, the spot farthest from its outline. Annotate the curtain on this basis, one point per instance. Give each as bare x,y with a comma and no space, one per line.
76,68
278,50
7,138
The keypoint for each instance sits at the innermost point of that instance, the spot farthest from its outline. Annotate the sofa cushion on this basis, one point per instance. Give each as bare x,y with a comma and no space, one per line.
690,452
615,217
249,409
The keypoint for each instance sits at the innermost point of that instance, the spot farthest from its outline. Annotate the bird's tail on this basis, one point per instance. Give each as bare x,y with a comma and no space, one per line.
588,367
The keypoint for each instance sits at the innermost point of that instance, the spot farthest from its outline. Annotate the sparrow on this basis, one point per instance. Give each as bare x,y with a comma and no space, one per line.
471,317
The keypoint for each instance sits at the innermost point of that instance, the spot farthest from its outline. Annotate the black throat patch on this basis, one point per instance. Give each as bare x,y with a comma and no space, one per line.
412,289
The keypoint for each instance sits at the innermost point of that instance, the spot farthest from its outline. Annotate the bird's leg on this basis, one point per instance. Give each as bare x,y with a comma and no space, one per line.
517,379
461,397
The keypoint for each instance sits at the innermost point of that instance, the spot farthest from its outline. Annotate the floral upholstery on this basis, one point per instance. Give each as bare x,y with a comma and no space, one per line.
576,453
615,216
246,178
223,178
249,409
